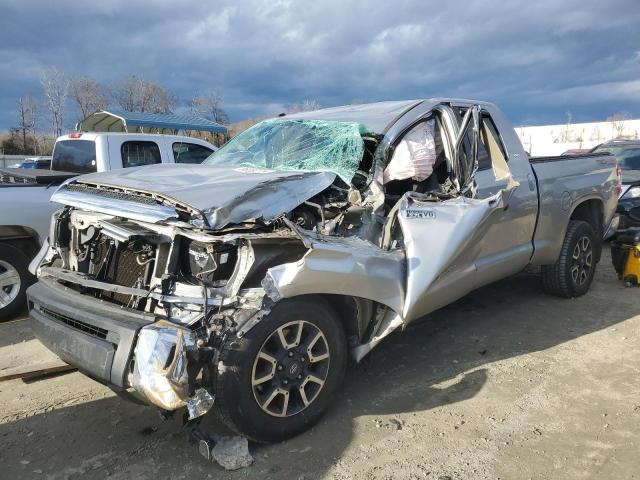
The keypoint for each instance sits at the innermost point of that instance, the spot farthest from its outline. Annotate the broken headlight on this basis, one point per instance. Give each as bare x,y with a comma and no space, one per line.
209,263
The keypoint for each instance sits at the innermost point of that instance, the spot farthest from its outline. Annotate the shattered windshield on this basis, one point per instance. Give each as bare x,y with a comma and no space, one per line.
288,144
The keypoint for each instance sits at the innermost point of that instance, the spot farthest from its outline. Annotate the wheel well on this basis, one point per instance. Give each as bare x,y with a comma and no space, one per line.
23,238
355,313
592,212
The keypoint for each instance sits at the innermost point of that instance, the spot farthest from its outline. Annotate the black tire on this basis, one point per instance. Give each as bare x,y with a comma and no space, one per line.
19,263
236,400
560,278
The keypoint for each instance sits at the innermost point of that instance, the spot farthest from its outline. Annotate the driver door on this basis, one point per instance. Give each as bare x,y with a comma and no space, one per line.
441,239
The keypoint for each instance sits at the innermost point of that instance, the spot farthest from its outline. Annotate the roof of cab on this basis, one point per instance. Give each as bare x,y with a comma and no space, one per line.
377,117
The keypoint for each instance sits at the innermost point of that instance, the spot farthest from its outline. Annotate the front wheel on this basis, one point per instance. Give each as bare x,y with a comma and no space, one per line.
14,280
279,379
573,272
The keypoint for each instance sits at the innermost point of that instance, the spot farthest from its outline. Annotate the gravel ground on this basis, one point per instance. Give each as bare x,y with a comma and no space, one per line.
507,383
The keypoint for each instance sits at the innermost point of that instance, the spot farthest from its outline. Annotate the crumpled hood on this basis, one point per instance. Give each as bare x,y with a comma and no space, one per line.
224,195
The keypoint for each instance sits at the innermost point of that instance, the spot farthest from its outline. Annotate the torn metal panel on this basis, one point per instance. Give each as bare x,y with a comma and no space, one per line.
390,321
343,266
224,195
112,206
441,244
269,199
195,299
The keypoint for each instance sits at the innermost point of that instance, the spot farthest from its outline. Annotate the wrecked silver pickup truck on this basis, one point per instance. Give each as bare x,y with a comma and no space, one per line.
240,285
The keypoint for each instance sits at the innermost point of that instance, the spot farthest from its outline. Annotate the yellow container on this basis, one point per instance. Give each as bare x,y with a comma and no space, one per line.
631,273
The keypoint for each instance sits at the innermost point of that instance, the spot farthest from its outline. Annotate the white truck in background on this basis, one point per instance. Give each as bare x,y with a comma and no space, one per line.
25,207
83,152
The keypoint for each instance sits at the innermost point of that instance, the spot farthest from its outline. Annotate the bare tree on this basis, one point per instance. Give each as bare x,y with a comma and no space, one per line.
566,136
305,106
618,121
27,120
55,85
209,106
310,105
133,94
89,96
127,92
156,98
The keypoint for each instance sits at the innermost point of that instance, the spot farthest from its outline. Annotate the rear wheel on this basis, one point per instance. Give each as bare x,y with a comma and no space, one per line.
279,379
573,272
14,280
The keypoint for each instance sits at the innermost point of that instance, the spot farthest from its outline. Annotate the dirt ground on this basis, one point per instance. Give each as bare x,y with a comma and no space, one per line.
508,383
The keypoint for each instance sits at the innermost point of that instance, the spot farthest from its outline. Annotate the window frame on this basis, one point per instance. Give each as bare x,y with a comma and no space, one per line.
147,143
175,157
484,114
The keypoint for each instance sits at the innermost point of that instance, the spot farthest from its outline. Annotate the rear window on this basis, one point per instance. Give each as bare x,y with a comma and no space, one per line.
190,152
74,156
137,154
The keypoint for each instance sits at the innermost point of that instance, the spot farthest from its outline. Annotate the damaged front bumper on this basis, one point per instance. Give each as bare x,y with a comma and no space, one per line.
94,336
119,347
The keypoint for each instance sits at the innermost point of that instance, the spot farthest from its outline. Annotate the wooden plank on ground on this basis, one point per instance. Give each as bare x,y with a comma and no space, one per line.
34,371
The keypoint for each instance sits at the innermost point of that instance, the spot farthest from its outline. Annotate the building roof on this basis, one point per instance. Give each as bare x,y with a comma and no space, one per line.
113,120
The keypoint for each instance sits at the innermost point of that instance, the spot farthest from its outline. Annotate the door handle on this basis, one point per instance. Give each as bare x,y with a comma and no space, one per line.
532,182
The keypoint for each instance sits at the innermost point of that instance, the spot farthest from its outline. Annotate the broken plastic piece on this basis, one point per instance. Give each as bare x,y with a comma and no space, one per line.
160,369
205,447
199,404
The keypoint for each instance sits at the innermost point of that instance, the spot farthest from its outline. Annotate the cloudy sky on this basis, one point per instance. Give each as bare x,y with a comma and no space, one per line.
536,59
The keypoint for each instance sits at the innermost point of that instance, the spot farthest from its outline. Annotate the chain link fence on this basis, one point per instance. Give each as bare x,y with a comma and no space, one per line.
8,160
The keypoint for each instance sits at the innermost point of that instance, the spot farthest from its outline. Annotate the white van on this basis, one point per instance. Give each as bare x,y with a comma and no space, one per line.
88,152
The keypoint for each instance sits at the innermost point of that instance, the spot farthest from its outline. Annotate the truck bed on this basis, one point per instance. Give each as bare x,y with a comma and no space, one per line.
564,182
561,158
25,176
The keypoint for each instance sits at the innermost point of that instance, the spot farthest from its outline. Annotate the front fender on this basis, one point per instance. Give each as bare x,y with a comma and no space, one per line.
342,266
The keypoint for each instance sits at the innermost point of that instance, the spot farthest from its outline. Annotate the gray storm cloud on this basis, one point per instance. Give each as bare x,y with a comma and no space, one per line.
536,60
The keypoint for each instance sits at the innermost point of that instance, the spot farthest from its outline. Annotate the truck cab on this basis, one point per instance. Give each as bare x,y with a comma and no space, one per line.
90,152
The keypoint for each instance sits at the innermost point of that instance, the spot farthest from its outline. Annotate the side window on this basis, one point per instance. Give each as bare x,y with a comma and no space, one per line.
467,146
491,145
139,153
190,152
484,158
465,153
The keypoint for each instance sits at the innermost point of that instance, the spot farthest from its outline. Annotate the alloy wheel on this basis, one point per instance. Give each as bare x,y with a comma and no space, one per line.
581,260
9,283
290,369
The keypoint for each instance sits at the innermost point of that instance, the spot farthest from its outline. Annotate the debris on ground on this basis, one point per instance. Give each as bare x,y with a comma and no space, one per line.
231,453
199,404
35,371
395,424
